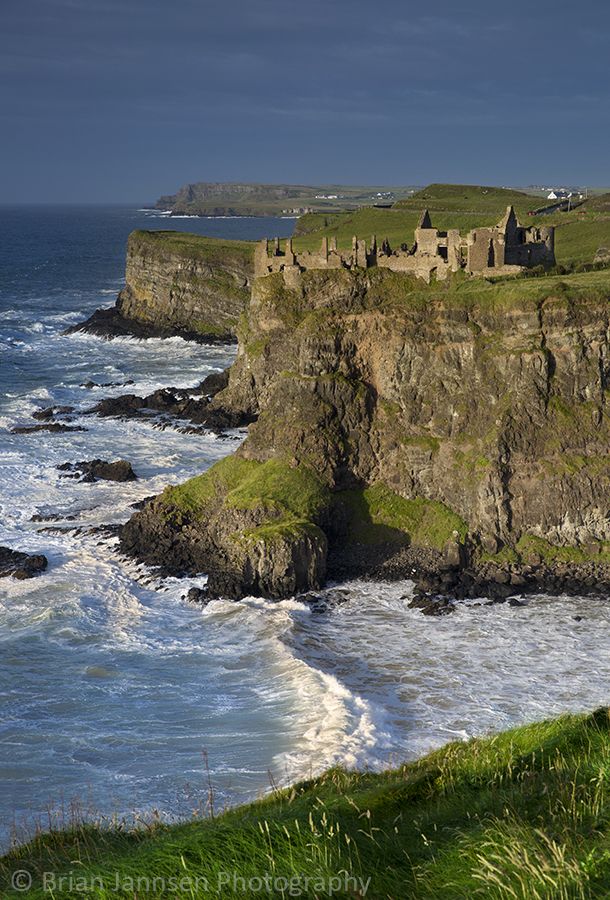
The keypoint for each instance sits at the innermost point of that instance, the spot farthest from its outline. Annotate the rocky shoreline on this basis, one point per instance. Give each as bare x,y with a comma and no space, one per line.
365,454
368,457
109,323
442,579
441,582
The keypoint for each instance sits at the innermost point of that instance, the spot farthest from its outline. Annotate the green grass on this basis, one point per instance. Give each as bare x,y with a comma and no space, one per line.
289,530
293,492
193,246
201,327
378,515
578,241
530,547
472,199
524,815
579,233
600,202
394,291
194,495
285,500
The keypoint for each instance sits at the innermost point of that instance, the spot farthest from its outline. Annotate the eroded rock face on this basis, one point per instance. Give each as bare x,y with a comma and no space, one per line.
488,399
178,284
497,408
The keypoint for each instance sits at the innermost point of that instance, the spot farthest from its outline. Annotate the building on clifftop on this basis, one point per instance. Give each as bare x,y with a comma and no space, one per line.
504,249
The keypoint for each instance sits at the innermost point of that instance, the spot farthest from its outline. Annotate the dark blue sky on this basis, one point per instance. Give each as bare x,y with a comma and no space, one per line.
123,100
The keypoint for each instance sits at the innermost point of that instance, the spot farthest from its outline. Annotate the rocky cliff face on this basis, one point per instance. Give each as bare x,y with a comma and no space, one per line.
469,420
185,282
178,284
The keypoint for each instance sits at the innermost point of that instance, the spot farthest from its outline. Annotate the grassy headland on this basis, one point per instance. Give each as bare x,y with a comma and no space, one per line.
579,234
191,246
524,814
246,199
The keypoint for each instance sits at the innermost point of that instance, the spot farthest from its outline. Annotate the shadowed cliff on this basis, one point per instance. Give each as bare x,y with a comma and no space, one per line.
470,419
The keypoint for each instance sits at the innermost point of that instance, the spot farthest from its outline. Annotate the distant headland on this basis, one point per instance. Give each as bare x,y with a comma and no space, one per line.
245,199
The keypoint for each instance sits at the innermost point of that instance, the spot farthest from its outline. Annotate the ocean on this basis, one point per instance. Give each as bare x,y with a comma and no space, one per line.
120,698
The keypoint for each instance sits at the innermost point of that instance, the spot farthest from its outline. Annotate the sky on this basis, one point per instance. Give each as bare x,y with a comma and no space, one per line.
125,100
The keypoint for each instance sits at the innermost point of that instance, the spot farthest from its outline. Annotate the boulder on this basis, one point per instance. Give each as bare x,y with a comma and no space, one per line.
21,565
99,469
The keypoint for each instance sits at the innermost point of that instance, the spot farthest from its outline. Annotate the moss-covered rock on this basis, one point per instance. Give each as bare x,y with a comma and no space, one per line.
252,526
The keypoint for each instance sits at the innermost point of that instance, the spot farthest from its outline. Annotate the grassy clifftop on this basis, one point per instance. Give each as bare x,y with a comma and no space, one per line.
524,814
579,233
471,199
192,246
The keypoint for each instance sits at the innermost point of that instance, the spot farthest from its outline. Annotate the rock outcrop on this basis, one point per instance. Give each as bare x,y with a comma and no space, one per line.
91,470
457,425
21,565
178,284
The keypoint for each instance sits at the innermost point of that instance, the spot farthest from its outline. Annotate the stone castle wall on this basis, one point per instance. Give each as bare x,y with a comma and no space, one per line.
506,248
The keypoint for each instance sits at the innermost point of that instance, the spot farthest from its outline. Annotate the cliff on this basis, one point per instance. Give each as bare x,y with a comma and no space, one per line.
450,426
205,198
179,283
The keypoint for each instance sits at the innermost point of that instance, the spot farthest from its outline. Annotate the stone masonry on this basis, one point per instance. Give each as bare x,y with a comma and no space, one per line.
505,249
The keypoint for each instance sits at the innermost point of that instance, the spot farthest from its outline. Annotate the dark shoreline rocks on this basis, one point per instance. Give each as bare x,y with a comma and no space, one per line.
177,547
49,413
192,404
91,470
52,427
175,544
109,323
440,585
51,517
20,565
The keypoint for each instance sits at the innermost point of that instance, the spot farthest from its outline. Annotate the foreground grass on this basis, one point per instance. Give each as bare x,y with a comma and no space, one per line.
525,814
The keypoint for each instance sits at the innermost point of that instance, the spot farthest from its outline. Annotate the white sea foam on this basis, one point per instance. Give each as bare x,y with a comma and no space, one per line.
109,678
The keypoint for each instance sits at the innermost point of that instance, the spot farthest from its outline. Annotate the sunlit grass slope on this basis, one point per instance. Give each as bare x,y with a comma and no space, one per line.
580,232
524,814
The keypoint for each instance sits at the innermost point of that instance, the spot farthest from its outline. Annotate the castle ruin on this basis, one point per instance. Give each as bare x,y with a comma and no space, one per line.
504,249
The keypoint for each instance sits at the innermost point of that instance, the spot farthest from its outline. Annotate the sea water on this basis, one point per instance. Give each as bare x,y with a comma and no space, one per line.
117,696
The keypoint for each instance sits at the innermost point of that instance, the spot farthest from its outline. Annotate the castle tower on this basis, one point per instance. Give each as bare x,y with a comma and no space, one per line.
424,220
426,237
289,253
547,236
261,258
509,225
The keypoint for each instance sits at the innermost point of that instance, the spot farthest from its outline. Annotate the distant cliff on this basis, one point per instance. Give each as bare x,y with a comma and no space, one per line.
178,283
455,425
235,199
242,199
